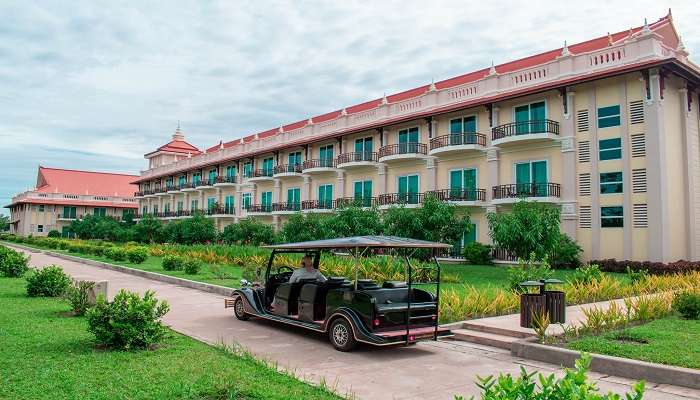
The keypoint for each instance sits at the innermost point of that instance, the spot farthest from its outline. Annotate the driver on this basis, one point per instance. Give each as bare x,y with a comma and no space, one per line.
306,271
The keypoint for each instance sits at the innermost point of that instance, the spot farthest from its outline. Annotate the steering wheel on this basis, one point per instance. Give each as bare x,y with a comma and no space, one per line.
280,269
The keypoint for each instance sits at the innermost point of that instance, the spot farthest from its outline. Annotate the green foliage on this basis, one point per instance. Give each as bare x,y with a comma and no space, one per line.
49,281
78,296
13,264
192,266
586,274
354,221
54,234
687,304
173,263
573,385
435,221
4,223
129,321
198,229
148,229
639,275
301,227
565,253
528,270
137,255
478,253
116,253
248,231
531,227
99,227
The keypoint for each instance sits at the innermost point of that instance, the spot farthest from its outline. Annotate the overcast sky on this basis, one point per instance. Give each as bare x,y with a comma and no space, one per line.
95,85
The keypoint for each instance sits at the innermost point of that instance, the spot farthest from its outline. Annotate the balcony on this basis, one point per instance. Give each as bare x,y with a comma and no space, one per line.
188,187
357,160
324,165
408,200
221,212
461,197
402,152
205,184
225,181
173,189
261,175
288,171
322,206
542,192
149,193
525,131
286,208
461,143
259,209
365,202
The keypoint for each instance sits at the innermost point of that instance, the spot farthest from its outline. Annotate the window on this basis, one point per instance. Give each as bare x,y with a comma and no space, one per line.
326,156
266,201
212,176
41,208
364,148
408,140
144,210
294,158
180,206
229,206
363,193
169,182
611,217
40,228
247,199
470,236
182,180
155,209
463,184
408,189
294,198
66,232
610,182
166,207
325,196
531,178
69,212
211,202
99,212
268,166
530,118
610,149
194,205
231,171
609,116
463,125
196,178
248,169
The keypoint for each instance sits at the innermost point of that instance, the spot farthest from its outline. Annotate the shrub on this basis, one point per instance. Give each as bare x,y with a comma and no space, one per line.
192,266
78,296
640,275
565,253
54,234
655,268
478,253
49,281
528,270
573,385
97,250
248,232
129,321
115,253
531,227
13,264
687,304
172,263
586,274
137,255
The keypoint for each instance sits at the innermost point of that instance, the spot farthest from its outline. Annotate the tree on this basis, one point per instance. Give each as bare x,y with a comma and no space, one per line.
198,229
436,221
4,223
148,229
531,227
354,221
248,232
303,227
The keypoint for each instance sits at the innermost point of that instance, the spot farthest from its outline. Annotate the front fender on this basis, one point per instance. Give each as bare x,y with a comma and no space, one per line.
251,300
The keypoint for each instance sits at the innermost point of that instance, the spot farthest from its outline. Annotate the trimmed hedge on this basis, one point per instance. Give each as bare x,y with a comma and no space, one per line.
658,268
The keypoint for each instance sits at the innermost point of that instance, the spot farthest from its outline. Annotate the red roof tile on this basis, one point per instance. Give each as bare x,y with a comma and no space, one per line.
57,180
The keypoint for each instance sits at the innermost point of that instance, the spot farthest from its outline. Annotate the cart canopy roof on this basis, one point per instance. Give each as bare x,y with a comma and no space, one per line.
388,242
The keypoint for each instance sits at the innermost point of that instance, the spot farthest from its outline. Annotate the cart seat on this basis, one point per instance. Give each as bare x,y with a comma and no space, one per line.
394,284
367,284
287,295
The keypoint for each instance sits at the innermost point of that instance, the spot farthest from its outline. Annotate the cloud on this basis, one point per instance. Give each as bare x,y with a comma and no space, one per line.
98,84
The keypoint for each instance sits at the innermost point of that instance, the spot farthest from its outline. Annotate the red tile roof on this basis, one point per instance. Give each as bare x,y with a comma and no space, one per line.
178,146
68,181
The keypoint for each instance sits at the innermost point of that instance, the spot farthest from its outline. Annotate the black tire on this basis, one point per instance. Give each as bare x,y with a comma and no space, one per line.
239,309
341,335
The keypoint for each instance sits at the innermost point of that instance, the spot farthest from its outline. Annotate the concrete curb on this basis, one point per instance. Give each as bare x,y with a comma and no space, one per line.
617,366
205,287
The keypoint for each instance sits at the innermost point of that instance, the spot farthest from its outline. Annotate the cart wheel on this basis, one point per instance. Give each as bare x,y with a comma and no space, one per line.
239,310
341,335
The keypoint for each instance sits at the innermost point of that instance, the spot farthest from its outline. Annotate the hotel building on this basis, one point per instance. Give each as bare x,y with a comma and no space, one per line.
605,129
61,196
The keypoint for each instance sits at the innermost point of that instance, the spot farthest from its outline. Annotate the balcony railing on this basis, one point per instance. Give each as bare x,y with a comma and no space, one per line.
206,182
356,202
293,206
460,194
226,179
369,156
458,139
400,198
403,148
320,163
221,211
527,190
187,185
288,168
318,204
525,128
160,189
259,208
263,173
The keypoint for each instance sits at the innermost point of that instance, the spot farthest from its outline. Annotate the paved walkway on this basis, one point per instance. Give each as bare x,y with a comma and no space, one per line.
429,370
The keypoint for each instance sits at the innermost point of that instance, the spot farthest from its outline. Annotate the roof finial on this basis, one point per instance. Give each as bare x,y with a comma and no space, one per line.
646,29
310,121
610,39
492,70
242,141
189,154
178,133
669,16
343,112
384,99
221,144
565,50
631,32
432,86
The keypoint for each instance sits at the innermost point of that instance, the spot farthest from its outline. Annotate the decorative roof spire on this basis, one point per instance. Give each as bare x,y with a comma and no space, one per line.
492,70
280,130
310,121
565,50
343,112
610,39
242,141
221,144
669,16
384,99
432,86
178,133
189,154
646,30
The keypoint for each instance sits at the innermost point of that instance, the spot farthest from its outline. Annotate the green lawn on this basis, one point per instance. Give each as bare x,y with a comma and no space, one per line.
672,341
485,276
46,355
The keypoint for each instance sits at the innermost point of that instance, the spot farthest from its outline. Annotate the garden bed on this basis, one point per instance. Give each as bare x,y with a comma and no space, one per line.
65,364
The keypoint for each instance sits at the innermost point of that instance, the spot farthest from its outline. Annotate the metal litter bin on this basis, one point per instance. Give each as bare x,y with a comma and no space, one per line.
555,301
531,303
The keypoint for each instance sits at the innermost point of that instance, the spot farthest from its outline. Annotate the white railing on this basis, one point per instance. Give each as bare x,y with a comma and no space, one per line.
638,48
63,196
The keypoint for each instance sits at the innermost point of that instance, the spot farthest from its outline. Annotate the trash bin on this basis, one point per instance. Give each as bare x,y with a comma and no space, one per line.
555,301
531,303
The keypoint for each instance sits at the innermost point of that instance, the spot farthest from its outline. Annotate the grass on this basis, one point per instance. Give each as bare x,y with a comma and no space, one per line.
46,355
671,341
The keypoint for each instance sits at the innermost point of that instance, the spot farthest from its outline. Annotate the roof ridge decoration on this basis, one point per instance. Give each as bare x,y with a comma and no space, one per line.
492,70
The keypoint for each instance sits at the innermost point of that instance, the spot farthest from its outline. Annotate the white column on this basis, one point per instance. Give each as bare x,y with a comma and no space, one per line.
277,191
381,179
306,190
340,192
493,171
568,183
431,173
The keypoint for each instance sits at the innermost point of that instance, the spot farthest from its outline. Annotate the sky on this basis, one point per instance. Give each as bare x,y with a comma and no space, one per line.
96,84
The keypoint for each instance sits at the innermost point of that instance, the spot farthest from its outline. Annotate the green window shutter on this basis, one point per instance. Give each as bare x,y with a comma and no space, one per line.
413,135
403,136
403,184
522,173
369,145
456,126
522,116
539,172
470,184
609,116
180,206
469,124
367,190
610,149
413,189
456,180
359,145
73,212
611,182
537,113
470,236
358,190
